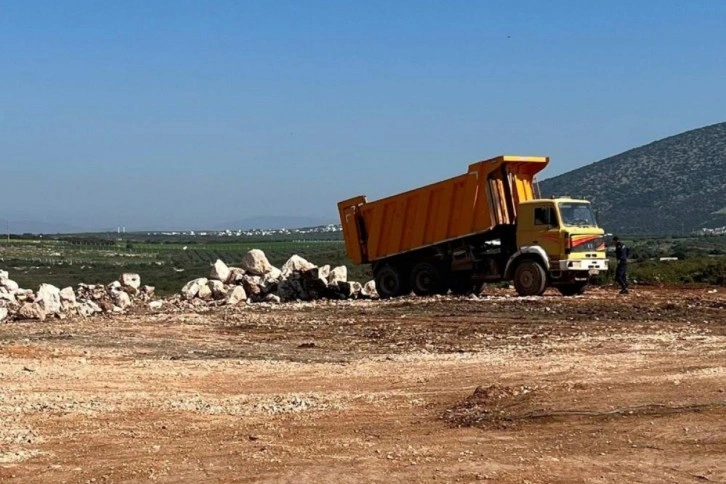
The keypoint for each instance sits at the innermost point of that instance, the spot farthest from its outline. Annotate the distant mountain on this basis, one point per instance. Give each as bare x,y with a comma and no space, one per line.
273,222
670,186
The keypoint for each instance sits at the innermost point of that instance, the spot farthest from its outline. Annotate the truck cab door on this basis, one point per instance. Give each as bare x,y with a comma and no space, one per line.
539,225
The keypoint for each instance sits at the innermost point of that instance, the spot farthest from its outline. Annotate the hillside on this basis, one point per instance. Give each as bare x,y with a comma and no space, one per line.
666,187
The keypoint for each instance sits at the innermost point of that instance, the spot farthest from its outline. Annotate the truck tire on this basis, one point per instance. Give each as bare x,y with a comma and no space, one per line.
390,282
530,278
426,280
572,289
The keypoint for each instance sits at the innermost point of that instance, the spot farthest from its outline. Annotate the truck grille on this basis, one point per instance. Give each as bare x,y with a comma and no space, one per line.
588,243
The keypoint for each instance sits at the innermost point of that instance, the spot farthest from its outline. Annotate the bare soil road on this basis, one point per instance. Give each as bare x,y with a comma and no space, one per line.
598,388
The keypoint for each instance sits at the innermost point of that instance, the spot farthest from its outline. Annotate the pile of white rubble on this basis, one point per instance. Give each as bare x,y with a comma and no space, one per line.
259,281
254,282
86,300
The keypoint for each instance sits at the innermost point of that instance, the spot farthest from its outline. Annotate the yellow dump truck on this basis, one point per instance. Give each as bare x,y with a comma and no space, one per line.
483,226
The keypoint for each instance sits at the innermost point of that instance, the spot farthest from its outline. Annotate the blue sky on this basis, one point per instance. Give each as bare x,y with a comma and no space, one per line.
190,114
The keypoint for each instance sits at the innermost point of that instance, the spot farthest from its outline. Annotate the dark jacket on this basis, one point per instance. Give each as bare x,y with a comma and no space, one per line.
621,253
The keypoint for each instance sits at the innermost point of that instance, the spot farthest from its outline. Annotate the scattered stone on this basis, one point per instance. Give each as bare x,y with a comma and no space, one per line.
31,311
290,290
315,282
5,295
115,286
252,284
274,273
121,300
67,295
296,264
191,289
350,289
338,274
236,274
49,299
236,296
272,298
130,280
205,292
89,308
156,304
106,306
3,313
369,290
10,285
218,289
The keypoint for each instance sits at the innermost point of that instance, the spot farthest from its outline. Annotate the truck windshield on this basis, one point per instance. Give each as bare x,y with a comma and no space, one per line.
576,214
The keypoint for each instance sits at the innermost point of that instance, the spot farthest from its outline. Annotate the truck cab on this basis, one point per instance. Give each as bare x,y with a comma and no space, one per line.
560,235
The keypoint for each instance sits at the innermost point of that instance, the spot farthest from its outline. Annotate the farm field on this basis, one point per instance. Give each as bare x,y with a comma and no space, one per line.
598,388
169,262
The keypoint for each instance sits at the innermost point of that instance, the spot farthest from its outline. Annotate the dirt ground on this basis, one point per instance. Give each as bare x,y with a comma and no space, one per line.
598,388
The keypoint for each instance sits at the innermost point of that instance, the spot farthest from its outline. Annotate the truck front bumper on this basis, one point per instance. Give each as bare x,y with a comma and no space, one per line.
594,266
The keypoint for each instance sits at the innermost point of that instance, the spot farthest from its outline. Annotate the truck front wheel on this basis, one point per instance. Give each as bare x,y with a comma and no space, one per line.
530,278
390,282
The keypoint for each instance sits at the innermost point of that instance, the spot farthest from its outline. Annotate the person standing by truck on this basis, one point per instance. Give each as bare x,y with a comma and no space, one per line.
621,270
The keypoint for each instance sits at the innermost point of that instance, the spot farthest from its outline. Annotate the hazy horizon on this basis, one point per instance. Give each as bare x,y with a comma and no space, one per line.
189,116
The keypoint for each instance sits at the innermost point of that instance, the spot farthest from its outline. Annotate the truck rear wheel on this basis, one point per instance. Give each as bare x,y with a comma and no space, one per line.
390,282
426,280
530,278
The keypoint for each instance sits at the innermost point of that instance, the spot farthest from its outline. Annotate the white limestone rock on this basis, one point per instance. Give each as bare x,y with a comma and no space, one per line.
338,274
191,289
130,280
220,272
296,264
236,296
49,299
255,262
